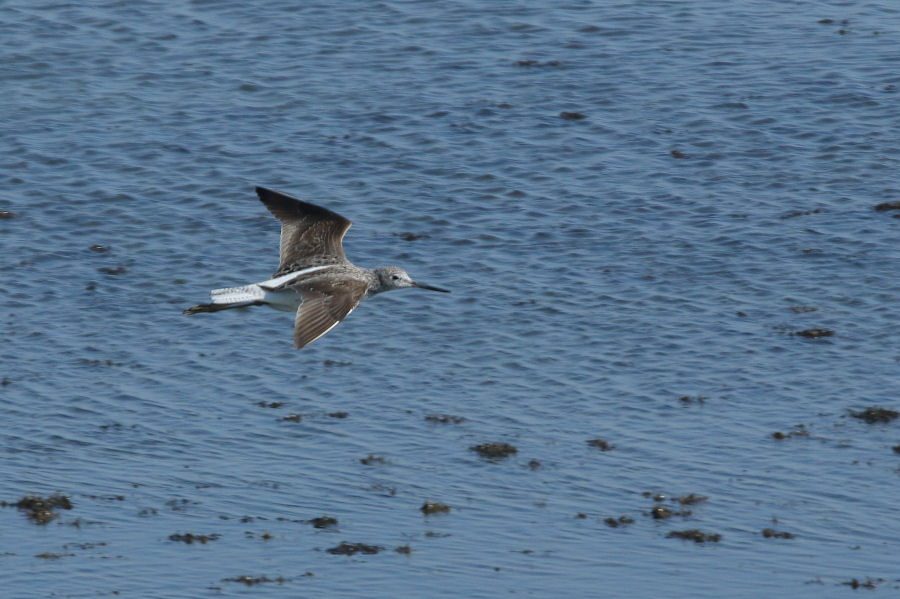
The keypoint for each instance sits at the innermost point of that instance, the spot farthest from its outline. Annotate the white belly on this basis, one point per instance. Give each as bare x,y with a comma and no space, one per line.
286,300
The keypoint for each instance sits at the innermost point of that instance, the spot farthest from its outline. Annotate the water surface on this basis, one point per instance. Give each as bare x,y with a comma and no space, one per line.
637,205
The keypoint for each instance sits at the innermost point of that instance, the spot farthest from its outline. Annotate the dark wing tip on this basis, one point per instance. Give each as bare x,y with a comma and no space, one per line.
287,208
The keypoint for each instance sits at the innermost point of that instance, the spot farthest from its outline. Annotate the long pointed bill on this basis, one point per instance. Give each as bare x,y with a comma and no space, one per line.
430,288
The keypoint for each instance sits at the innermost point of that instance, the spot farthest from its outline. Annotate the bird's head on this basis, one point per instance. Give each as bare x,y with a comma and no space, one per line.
392,277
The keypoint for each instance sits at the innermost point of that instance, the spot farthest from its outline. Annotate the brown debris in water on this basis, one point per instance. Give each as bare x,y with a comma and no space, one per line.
617,522
859,584
691,499
813,333
444,418
660,512
270,404
190,538
494,450
771,533
885,206
252,580
346,548
799,431
428,508
40,510
601,444
873,415
698,536
49,555
686,399
323,522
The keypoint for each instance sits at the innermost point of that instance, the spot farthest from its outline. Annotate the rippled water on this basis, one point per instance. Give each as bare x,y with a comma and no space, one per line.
637,206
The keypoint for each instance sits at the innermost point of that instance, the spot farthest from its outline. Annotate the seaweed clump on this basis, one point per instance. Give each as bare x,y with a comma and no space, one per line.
697,536
40,510
874,415
346,548
428,508
494,450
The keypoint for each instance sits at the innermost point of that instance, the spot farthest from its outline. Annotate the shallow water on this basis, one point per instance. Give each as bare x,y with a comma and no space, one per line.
633,271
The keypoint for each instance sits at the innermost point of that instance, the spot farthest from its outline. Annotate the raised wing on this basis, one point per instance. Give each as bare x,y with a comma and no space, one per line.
310,235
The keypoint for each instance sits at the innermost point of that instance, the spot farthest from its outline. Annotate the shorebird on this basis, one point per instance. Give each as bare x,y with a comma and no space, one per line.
314,278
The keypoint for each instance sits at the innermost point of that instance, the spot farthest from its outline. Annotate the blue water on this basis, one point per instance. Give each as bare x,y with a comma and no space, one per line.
717,196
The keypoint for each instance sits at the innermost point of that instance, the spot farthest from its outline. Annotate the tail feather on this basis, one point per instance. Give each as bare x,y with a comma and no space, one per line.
230,297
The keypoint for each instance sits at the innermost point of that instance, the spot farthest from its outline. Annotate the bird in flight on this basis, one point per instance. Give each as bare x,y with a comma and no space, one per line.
314,278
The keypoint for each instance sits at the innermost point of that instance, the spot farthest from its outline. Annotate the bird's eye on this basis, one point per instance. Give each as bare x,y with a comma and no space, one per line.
396,277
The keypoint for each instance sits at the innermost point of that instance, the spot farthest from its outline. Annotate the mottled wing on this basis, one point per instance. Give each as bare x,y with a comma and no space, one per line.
310,235
322,310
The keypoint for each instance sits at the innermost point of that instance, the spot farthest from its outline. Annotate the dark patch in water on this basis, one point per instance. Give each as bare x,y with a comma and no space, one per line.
859,584
404,549
814,333
874,415
678,154
885,206
338,414
190,538
572,116
800,431
444,418
99,248
771,533
601,444
293,418
538,63
373,459
6,214
686,399
661,512
428,508
252,580
323,522
353,548
691,499
409,236
617,522
119,270
698,536
271,404
40,510
494,450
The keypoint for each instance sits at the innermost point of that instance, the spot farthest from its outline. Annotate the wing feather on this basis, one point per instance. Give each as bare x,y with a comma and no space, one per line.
320,312
310,235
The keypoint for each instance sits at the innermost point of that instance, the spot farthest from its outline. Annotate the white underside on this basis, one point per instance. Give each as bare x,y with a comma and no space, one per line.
287,300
